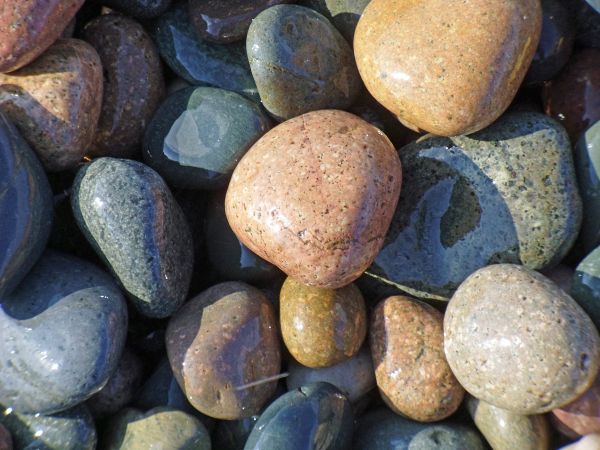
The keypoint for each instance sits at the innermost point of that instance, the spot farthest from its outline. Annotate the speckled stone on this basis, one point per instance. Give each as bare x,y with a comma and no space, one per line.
506,194
381,429
200,62
582,416
225,22
585,285
198,135
503,307
64,327
133,83
143,9
69,430
25,207
354,377
292,421
590,442
220,342
407,347
587,167
6,442
573,98
130,217
343,14
315,196
55,102
505,430
300,62
160,428
412,58
28,27
233,434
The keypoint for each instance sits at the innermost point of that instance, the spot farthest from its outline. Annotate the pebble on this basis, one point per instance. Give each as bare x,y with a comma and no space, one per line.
130,217
219,344
315,196
582,416
505,430
25,207
321,327
133,83
28,27
585,285
407,347
142,9
343,14
65,325
55,102
413,58
199,134
558,354
314,416
504,195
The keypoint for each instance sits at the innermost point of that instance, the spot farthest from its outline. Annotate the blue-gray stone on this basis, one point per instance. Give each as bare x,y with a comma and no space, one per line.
130,217
62,332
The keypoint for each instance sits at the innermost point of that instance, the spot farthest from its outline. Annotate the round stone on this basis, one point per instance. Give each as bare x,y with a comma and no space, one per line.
582,416
587,166
515,340
315,196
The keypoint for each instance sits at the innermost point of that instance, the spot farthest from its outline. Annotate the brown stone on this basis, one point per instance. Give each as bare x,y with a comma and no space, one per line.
315,196
582,416
516,340
133,85
448,67
28,27
222,342
55,102
322,327
6,442
407,347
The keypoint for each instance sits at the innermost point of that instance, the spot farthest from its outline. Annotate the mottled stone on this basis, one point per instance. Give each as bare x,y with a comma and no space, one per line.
505,430
407,347
220,344
225,22
198,135
573,98
6,442
28,27
300,62
412,58
69,430
200,62
315,196
354,377
62,332
381,429
25,207
130,217
143,9
582,416
506,194
504,307
55,102
590,442
133,83
585,285
343,14
587,167
292,421
233,434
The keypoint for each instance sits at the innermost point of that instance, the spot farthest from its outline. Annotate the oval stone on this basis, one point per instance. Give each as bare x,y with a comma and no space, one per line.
585,285
315,197
198,135
313,416
515,340
133,83
300,62
582,416
130,217
55,102
413,60
587,166
407,347
25,207
321,327
224,350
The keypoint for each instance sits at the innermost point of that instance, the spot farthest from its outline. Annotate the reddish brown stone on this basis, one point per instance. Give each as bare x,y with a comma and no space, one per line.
6,442
581,416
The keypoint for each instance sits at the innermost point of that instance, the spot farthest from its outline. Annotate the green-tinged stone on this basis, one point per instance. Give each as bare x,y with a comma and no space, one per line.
585,285
344,14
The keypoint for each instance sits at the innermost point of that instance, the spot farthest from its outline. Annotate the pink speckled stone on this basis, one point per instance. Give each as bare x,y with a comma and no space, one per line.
315,196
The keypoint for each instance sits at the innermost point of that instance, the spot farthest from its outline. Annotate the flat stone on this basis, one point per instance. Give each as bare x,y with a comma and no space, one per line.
413,60
55,102
220,344
130,217
315,197
142,9
505,307
300,62
25,207
582,416
587,166
28,27
133,83
199,134
343,14
585,285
